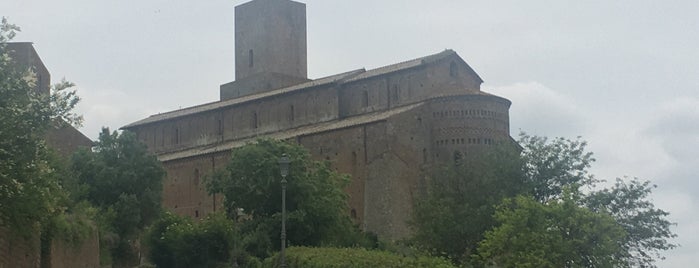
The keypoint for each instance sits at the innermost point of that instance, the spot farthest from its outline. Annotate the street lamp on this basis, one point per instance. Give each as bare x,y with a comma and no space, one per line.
284,169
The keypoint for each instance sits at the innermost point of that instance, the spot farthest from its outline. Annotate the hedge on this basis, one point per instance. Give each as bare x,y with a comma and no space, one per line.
306,257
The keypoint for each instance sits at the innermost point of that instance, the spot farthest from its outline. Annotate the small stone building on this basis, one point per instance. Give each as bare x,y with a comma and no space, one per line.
384,127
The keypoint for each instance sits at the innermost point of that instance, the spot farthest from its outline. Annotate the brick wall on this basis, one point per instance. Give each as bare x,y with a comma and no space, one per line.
19,252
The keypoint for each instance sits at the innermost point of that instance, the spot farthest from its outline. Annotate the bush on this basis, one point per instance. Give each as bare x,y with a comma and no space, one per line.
352,257
180,242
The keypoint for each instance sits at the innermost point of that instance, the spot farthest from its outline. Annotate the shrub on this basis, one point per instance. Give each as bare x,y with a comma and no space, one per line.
180,242
352,257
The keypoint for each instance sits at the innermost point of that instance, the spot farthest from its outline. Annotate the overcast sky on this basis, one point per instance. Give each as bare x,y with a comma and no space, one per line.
624,75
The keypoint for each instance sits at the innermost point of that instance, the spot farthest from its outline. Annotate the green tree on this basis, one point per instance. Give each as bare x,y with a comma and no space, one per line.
30,191
457,210
124,181
647,227
316,203
559,233
552,165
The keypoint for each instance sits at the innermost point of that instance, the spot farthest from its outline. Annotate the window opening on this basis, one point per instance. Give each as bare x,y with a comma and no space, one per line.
254,120
458,158
220,127
291,113
251,55
177,136
365,98
196,177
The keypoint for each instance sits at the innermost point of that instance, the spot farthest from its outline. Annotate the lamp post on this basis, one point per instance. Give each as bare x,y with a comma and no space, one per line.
284,169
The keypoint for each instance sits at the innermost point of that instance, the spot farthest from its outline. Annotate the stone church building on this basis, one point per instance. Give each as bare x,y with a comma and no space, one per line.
384,127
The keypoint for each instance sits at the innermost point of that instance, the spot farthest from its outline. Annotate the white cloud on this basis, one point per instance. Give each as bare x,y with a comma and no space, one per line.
539,110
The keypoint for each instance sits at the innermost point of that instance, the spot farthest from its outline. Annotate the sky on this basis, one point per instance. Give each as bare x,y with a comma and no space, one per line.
623,75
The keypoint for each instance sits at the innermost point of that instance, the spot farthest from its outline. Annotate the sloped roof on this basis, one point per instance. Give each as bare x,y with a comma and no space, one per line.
354,75
230,102
402,65
291,133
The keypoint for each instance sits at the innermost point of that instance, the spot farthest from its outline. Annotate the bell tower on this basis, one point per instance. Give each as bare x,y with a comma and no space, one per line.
270,47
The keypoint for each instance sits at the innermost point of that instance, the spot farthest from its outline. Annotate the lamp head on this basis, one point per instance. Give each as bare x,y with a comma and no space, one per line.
284,165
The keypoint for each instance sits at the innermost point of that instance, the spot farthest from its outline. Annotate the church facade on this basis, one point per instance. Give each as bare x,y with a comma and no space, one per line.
384,127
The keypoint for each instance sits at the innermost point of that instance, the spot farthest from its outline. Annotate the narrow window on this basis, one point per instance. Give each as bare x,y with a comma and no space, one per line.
424,155
251,55
254,120
196,177
220,127
354,158
291,113
177,136
365,98
353,214
196,213
396,93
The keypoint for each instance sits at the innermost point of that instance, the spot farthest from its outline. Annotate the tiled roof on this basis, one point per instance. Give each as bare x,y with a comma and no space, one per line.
290,133
350,76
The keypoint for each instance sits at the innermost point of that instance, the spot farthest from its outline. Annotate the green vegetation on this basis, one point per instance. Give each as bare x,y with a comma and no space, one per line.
539,209
180,242
458,209
317,212
555,234
353,257
30,191
124,182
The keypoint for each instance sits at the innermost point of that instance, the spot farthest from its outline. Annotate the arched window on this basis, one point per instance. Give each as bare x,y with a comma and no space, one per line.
458,158
353,214
424,155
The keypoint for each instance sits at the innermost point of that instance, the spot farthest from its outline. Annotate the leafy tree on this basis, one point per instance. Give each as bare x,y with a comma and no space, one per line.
457,210
30,191
316,203
455,214
552,165
559,233
647,227
124,181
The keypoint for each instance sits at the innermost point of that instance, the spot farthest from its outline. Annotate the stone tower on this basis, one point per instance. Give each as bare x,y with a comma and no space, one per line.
270,47
26,58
